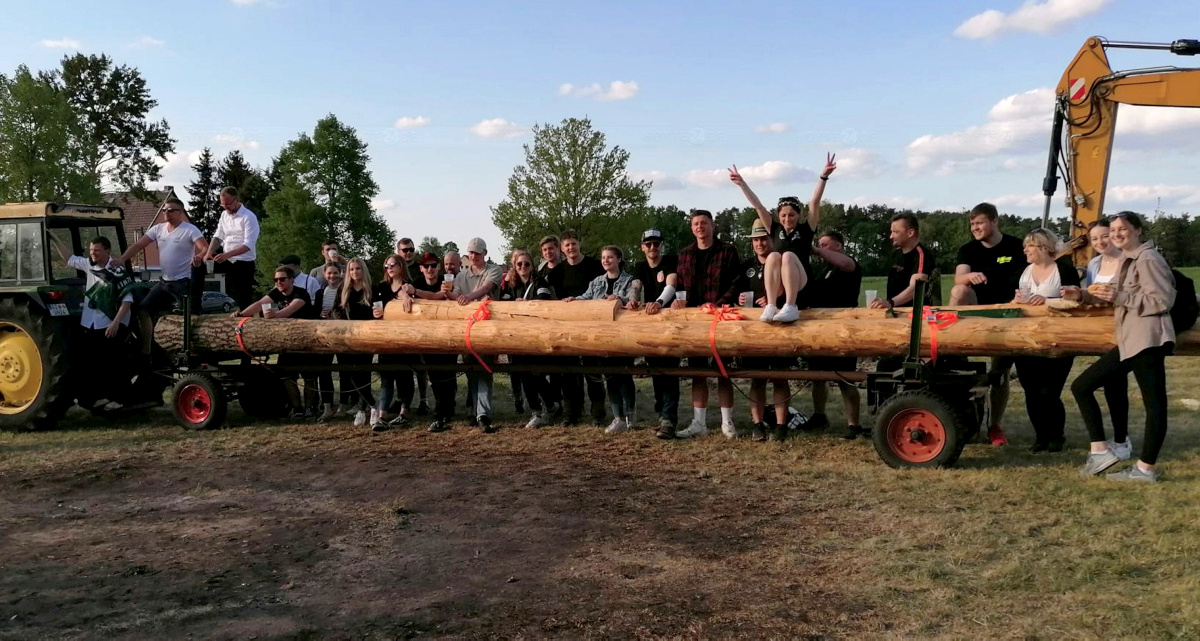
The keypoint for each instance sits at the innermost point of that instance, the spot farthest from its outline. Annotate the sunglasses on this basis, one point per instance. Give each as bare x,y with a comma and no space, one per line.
283,279
524,263
391,266
652,243
431,265
171,209
407,250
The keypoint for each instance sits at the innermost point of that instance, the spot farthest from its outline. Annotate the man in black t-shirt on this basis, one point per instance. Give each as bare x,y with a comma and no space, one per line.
288,301
988,272
657,276
571,277
911,263
836,284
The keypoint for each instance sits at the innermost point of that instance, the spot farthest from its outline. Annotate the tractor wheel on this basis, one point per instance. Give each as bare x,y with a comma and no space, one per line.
199,402
33,366
262,394
918,429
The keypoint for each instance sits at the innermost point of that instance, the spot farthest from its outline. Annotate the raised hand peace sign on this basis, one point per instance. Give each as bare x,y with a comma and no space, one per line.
830,165
736,177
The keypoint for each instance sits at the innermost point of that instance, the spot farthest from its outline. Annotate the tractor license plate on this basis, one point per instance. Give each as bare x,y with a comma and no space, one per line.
58,309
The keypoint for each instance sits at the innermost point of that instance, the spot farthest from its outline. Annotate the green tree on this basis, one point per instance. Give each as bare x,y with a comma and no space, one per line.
35,142
437,248
253,189
115,143
290,228
571,180
204,206
326,194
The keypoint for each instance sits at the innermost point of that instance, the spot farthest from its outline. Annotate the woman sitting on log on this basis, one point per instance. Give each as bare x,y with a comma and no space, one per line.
354,303
395,384
1043,378
1102,270
288,301
615,284
323,303
1142,296
522,283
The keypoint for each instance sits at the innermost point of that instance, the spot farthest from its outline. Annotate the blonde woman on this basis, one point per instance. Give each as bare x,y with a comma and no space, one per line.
398,383
354,303
1043,378
523,283
1102,270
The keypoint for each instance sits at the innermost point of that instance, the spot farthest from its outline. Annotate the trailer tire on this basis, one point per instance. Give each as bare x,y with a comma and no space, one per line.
918,429
199,402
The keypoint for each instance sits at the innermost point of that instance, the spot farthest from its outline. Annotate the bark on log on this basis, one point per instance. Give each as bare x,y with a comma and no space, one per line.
969,336
576,310
694,314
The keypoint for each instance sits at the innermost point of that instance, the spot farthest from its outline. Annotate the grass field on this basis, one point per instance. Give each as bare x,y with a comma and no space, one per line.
144,530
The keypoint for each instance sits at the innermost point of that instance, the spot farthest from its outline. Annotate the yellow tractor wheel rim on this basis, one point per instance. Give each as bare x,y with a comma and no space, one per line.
20,369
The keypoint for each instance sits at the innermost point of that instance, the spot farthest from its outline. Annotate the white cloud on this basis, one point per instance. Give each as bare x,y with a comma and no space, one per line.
1149,194
617,90
412,122
1031,17
145,42
772,172
236,138
383,204
773,128
1150,121
1018,124
498,128
1021,201
898,202
662,182
859,163
65,43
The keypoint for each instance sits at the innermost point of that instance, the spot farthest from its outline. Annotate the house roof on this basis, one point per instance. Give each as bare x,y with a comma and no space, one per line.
139,214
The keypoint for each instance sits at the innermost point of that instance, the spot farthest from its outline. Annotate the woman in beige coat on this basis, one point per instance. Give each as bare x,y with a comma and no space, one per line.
1142,295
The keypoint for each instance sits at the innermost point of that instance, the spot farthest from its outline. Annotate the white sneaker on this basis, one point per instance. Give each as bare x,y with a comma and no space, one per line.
617,426
535,421
768,314
1124,451
360,418
789,314
729,430
695,429
376,415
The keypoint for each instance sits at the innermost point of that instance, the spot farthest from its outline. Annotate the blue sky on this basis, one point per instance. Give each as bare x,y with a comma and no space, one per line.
930,104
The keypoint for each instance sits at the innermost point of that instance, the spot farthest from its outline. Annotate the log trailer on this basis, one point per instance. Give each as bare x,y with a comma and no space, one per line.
1085,118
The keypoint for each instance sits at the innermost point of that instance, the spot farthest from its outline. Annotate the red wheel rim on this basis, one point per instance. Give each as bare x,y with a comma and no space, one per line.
193,403
916,436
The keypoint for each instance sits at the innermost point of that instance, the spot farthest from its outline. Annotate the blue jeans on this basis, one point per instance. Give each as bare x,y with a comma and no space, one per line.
479,389
666,389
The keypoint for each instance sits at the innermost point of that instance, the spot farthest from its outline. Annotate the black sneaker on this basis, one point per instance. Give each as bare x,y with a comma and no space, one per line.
817,422
778,433
400,421
666,429
471,422
423,408
486,424
758,431
439,425
852,432
1056,446
1039,446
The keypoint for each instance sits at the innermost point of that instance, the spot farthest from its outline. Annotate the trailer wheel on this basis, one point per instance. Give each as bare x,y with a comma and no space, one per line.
918,429
199,402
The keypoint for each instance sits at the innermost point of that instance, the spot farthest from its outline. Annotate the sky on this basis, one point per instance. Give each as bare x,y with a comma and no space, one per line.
930,104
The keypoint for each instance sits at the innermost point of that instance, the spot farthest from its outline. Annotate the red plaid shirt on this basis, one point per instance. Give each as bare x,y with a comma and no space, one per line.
717,283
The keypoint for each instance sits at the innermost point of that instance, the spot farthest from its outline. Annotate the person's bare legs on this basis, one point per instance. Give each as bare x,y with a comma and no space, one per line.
794,277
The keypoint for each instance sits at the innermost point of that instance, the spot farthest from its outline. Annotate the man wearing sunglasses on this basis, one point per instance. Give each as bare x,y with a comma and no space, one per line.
181,246
657,275
408,251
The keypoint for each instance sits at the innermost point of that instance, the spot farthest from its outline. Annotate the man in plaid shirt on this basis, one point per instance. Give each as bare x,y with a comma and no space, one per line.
707,273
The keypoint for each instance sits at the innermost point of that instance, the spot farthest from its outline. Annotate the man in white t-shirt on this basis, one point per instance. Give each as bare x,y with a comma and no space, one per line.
181,246
302,280
238,232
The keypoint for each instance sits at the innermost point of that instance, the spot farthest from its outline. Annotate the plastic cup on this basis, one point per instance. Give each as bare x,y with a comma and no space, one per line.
872,294
210,265
267,307
449,278
377,305
749,299
681,296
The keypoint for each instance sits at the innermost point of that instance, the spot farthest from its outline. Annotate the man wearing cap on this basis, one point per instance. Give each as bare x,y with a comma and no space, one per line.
836,282
707,273
754,293
301,280
571,278
478,280
657,275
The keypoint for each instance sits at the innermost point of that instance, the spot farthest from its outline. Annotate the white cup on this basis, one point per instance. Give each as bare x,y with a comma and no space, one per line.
872,294
267,307
210,265
749,298
377,305
681,296
449,278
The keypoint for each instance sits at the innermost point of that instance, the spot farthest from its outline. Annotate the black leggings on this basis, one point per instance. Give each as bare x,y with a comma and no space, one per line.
1149,368
1043,380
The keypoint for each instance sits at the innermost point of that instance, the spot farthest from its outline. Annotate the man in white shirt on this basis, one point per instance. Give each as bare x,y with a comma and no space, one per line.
477,281
105,319
302,280
238,232
181,246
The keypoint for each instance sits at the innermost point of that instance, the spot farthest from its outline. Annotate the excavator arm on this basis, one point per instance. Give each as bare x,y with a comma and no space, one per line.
1085,116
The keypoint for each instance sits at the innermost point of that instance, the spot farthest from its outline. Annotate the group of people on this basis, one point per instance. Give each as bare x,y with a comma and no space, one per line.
794,265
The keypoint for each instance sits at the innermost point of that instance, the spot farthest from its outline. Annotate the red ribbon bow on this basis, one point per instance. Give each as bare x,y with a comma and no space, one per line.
237,332
722,313
937,320
482,313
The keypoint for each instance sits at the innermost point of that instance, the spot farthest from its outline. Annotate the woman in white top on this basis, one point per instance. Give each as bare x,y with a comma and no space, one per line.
1043,378
1103,269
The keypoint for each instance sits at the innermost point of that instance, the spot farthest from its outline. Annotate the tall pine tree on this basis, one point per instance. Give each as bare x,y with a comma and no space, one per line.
234,171
204,206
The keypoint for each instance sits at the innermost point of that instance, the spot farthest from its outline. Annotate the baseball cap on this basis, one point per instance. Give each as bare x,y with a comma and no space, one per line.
477,245
428,258
651,234
758,230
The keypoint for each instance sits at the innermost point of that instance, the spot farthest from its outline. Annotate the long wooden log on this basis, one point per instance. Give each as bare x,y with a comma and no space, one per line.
604,310
969,336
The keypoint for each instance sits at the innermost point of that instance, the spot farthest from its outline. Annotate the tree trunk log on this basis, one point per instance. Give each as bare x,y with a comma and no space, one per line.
694,314
522,310
971,336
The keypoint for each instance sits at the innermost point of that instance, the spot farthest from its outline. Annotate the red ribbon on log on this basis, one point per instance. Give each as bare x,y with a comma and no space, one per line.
482,313
724,312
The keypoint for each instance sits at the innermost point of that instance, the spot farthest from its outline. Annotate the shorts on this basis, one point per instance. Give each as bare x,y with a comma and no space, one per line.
833,363
769,363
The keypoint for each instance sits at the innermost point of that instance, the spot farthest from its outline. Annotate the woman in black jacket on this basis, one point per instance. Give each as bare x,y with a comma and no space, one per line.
522,283
354,303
